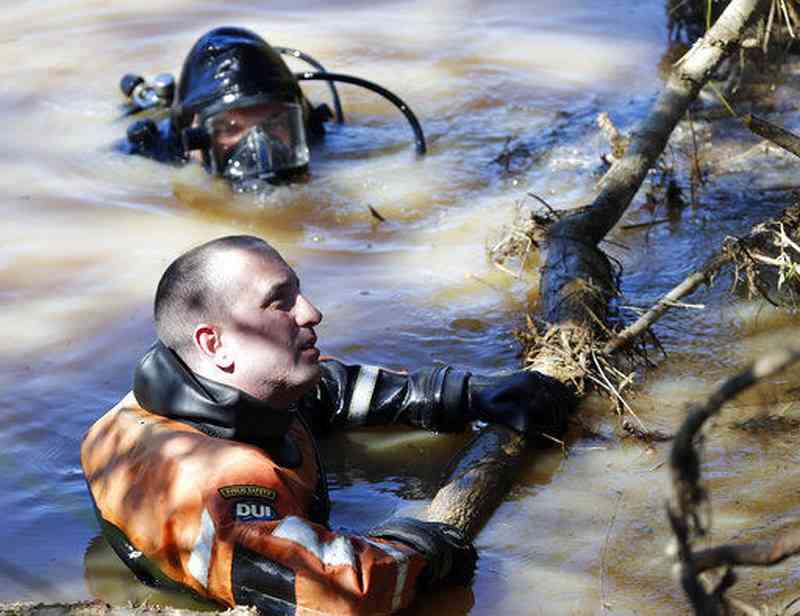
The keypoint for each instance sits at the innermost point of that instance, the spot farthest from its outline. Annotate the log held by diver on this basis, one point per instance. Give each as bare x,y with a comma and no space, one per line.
576,277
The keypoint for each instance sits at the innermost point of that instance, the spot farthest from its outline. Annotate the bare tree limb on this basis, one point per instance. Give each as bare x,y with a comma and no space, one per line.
577,280
772,243
763,554
688,498
99,608
702,276
479,479
573,257
774,133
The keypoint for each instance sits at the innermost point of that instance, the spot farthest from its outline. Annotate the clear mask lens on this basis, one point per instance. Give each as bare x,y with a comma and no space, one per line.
257,142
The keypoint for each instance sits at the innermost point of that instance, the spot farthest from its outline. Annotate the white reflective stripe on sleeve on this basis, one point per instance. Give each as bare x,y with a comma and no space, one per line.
402,570
338,551
362,394
200,557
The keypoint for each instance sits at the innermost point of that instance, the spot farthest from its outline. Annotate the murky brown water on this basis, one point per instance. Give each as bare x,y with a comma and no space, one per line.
87,233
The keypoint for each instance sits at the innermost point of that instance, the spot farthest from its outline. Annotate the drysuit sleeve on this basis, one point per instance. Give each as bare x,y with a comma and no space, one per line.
358,395
255,547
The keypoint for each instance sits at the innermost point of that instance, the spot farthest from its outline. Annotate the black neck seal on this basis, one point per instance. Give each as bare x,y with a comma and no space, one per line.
164,385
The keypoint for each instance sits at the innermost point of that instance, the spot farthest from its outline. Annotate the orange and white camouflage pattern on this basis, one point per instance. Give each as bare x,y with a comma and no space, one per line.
193,505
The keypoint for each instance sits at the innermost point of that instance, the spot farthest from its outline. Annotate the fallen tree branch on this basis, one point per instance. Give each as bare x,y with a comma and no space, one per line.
774,133
764,554
478,479
99,608
689,498
577,280
702,276
772,237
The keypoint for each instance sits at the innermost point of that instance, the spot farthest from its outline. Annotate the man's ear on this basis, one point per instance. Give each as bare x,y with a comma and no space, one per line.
208,341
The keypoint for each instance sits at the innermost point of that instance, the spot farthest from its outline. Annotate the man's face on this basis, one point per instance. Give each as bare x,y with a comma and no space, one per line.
230,127
270,334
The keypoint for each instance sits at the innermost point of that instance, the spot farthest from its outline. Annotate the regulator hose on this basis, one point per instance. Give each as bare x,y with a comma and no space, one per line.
374,87
296,53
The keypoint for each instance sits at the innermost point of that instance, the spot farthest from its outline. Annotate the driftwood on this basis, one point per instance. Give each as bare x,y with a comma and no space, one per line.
687,506
479,479
774,133
771,249
577,281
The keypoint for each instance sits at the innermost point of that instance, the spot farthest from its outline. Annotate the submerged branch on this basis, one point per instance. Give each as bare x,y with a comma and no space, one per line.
764,554
773,243
478,479
689,500
774,133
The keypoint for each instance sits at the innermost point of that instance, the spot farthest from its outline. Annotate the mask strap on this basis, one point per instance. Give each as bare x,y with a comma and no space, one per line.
374,87
296,53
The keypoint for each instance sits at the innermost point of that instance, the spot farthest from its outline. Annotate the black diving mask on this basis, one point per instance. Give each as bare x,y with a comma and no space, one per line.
260,143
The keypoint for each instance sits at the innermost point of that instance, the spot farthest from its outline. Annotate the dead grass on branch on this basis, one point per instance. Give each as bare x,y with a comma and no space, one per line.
767,261
572,354
575,355
687,20
512,249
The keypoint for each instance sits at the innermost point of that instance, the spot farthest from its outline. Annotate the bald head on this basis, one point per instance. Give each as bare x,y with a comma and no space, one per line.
199,287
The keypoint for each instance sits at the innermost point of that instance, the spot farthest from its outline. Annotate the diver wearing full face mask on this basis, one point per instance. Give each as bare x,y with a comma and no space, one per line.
240,107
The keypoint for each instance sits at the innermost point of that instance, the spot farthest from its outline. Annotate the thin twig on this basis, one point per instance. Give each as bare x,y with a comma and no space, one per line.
504,269
555,213
689,284
603,569
375,213
786,17
674,304
613,390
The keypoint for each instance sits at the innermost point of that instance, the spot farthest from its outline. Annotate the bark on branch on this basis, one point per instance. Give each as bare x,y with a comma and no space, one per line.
577,282
764,554
774,133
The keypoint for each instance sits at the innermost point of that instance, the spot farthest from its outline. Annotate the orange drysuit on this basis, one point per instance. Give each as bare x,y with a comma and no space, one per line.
201,487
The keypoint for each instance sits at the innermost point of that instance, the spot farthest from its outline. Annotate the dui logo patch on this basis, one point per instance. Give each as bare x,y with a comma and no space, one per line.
248,491
253,511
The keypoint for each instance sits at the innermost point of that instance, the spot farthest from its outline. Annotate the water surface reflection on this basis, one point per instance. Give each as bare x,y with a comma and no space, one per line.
87,233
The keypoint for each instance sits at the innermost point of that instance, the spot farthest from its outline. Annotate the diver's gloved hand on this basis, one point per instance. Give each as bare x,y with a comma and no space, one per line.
526,401
450,555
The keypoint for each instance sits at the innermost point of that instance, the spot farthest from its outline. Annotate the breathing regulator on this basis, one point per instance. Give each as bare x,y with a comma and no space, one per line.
143,95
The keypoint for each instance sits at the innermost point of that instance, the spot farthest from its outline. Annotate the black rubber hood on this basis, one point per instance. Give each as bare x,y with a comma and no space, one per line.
229,65
164,385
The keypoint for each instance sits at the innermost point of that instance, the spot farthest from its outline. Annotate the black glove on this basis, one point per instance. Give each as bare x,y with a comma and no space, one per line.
451,557
526,401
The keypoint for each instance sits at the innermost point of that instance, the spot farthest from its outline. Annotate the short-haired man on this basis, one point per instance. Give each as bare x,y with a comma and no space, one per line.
206,477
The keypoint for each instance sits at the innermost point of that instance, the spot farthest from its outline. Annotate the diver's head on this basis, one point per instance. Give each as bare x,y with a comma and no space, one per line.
242,108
